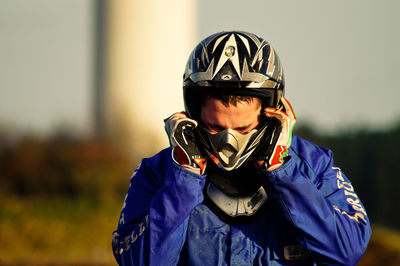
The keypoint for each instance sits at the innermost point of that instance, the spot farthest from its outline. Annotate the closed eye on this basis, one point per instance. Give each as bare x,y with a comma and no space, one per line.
242,128
214,128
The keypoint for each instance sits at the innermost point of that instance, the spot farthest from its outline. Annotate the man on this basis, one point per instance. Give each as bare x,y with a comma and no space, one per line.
235,187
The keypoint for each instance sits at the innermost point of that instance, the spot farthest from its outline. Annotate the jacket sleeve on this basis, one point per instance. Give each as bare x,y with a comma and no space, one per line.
319,200
154,217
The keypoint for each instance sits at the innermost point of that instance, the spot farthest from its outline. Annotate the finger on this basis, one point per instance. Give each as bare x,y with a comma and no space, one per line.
175,116
277,113
288,108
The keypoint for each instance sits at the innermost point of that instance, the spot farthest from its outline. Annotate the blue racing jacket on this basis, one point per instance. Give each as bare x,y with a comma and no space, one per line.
312,216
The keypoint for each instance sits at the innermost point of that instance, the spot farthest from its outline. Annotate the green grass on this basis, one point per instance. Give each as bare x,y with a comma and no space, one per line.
57,231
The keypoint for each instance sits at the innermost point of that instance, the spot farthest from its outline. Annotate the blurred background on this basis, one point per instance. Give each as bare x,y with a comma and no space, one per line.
85,85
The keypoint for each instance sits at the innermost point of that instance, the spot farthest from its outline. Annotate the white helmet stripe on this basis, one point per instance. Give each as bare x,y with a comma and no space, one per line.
271,66
218,41
246,43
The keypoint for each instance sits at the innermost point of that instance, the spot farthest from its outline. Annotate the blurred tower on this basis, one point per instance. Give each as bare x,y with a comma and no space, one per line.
142,51
99,128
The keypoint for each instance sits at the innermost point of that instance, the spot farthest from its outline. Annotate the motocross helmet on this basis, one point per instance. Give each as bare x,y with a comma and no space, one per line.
232,63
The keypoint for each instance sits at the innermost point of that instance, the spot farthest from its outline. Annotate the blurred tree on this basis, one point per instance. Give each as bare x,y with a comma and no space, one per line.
63,166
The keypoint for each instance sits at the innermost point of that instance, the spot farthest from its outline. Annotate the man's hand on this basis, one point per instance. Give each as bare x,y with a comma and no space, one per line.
182,140
287,119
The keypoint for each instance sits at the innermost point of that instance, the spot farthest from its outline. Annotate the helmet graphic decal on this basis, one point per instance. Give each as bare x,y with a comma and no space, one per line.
229,54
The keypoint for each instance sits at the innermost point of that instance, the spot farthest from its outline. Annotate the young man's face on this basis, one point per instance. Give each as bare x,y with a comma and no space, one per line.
242,117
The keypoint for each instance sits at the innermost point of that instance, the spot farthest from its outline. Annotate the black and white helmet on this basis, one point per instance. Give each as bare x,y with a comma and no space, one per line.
236,63
233,62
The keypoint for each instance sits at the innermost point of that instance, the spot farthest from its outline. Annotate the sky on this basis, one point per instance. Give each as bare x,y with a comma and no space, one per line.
45,64
340,59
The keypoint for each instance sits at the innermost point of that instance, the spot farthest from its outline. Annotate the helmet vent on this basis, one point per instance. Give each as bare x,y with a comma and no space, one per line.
227,153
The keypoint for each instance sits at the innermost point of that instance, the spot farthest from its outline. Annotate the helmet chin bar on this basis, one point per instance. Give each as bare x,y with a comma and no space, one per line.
229,149
229,145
